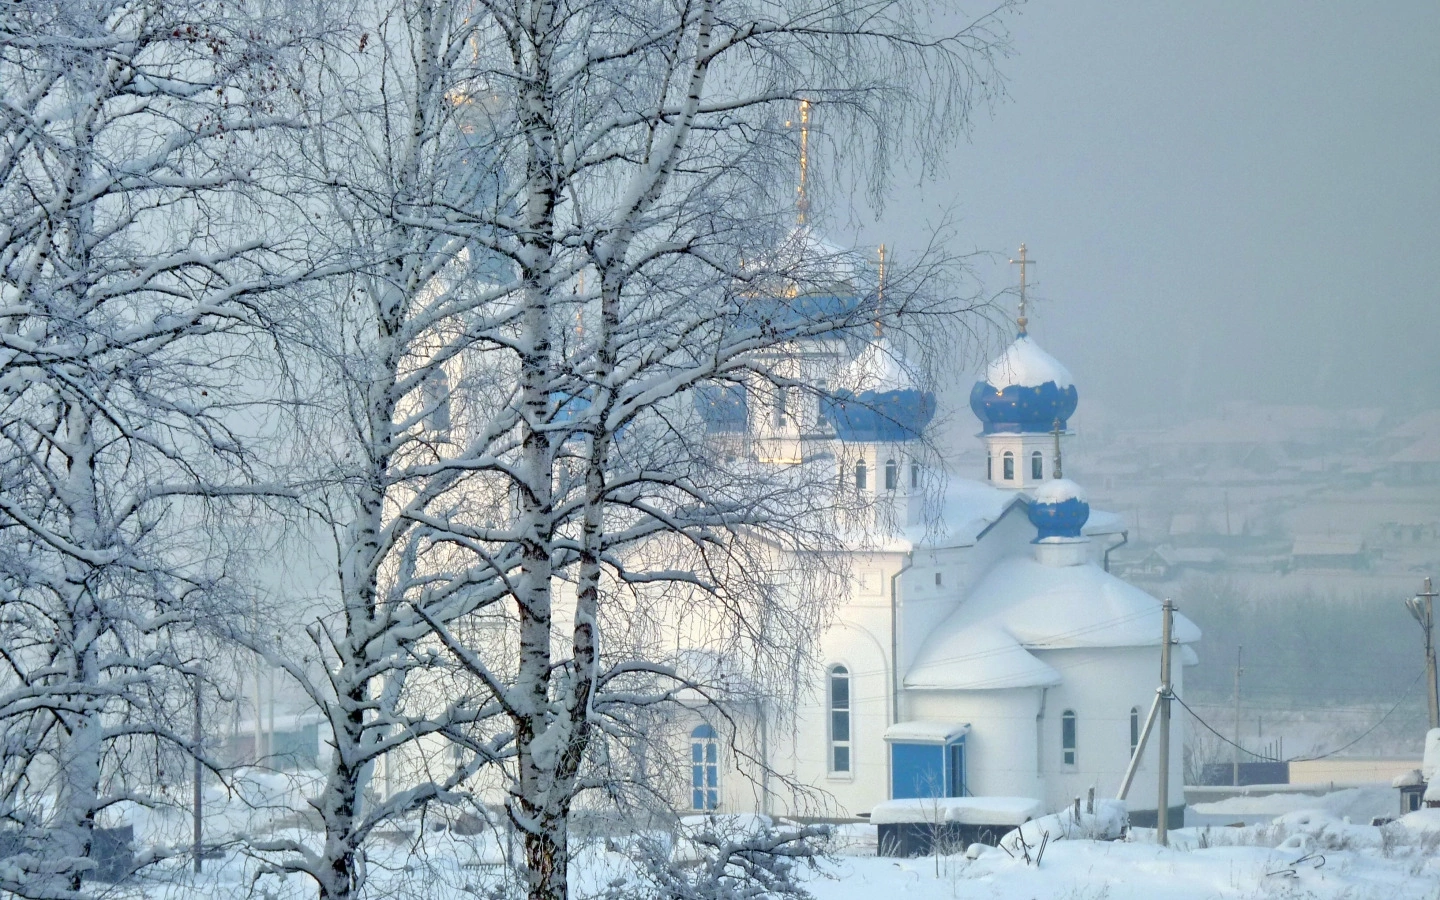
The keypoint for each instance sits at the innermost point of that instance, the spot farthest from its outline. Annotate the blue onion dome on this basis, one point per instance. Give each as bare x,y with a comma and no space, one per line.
805,280
1059,510
1025,390
881,399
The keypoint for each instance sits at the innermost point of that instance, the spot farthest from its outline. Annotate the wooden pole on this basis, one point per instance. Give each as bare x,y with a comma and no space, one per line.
1162,796
1235,750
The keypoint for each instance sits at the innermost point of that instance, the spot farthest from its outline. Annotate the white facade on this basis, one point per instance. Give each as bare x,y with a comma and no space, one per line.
1024,653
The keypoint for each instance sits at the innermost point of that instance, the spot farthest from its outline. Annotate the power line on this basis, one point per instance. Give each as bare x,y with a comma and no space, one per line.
1362,737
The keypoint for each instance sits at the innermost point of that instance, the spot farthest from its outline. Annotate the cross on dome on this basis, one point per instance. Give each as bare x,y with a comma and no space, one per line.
1022,262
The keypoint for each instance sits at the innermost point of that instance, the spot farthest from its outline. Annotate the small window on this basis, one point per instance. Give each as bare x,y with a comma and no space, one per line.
840,738
892,474
1008,463
914,475
860,474
780,407
1067,737
1134,729
989,467
704,769
1037,466
937,579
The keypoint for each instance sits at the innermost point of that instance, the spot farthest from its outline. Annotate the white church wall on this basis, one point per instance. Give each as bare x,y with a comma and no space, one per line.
923,607
859,640
1000,748
1102,685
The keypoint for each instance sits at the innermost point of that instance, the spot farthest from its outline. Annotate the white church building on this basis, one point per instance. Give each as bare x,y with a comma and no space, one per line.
984,649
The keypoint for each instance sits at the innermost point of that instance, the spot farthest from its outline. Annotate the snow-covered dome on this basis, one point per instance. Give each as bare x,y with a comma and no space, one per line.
1060,509
879,398
804,280
1025,390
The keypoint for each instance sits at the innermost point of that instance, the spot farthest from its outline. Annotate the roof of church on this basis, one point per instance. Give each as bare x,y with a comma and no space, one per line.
969,509
1022,605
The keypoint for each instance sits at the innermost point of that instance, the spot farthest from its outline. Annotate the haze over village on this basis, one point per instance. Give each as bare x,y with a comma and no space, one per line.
719,449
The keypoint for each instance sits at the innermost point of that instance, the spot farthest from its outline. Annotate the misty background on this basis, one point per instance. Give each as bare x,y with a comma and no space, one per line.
1227,200
1233,205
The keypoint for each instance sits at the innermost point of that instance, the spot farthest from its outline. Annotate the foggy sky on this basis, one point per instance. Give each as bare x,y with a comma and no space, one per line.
1228,200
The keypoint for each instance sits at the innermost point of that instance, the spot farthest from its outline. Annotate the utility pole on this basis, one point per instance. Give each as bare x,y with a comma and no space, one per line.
199,782
1235,750
1162,795
1422,607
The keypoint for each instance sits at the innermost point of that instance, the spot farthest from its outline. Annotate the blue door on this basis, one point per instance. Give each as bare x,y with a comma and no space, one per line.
927,770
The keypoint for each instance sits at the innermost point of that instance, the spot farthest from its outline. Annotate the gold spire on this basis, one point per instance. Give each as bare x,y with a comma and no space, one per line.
1022,262
802,202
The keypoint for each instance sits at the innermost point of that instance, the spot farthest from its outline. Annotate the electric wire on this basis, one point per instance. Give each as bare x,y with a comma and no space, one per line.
1403,694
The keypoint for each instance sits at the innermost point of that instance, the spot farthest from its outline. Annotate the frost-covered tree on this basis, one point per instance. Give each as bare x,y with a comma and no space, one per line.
128,314
554,227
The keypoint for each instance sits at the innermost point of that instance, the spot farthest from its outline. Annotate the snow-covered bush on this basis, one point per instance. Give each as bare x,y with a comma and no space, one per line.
736,857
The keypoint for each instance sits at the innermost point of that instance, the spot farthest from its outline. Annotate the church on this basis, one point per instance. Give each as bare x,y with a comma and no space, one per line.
984,649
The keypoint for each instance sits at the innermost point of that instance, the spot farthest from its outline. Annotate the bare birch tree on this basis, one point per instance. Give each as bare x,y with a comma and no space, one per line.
554,226
127,315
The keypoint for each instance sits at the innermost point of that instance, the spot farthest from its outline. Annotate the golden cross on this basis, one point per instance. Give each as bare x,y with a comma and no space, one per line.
802,202
1022,262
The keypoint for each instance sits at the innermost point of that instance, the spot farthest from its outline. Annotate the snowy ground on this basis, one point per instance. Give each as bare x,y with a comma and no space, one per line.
1307,853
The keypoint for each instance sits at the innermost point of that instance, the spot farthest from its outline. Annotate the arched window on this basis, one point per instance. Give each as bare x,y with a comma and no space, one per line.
860,475
892,474
1008,464
839,719
1134,729
435,394
1067,737
1037,465
914,475
704,768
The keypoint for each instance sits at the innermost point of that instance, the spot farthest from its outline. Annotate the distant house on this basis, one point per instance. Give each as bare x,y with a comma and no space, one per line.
1166,562
1329,552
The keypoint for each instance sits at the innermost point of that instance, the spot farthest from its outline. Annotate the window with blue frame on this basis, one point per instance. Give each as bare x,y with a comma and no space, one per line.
927,770
704,769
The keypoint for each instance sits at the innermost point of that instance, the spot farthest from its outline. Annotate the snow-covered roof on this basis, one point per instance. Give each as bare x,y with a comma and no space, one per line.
967,510
982,657
879,367
964,810
926,732
1021,605
1408,779
1024,364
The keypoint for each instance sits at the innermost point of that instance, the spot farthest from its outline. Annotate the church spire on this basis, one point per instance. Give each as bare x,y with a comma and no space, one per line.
1022,262
802,201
